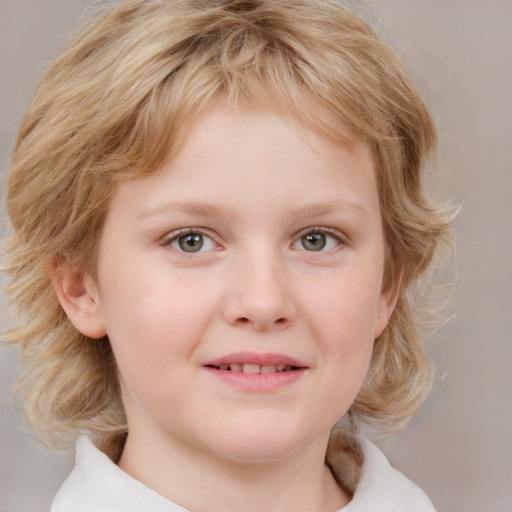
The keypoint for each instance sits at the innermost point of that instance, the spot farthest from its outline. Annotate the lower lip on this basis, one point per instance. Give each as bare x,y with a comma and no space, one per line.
257,381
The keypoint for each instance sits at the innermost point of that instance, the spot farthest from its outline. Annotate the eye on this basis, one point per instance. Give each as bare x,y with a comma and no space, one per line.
190,242
317,240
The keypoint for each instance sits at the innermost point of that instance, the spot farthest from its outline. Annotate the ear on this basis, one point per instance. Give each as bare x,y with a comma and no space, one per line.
78,296
387,303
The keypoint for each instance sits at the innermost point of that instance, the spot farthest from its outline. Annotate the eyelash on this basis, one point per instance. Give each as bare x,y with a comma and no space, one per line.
174,237
328,232
169,239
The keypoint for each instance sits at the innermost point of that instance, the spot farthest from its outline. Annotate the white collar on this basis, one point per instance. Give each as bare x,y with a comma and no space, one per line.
384,489
96,484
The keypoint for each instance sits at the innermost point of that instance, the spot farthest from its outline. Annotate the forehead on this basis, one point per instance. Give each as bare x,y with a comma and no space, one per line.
251,162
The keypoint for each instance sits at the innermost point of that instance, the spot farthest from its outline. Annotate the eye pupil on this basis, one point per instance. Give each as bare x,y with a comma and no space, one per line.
193,242
313,241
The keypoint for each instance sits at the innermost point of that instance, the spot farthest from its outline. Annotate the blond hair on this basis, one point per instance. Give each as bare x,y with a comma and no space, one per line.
110,107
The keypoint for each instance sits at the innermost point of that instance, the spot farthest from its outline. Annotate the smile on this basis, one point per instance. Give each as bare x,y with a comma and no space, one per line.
256,372
256,368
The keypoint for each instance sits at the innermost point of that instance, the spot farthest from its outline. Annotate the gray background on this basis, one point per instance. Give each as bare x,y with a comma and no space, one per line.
459,449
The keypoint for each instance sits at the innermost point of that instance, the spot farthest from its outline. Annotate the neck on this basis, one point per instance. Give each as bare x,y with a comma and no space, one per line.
207,482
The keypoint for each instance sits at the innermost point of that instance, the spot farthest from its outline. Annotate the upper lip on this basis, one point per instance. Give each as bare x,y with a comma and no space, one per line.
255,358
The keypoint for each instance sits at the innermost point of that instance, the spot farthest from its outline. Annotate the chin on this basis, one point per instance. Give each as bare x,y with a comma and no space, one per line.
259,445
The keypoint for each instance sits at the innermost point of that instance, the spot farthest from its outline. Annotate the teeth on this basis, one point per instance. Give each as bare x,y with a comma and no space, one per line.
251,368
256,368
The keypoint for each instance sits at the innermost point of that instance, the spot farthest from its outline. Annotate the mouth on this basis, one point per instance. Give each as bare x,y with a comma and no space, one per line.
250,368
251,363
257,372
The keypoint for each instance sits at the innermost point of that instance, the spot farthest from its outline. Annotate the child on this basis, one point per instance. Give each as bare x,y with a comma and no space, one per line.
217,221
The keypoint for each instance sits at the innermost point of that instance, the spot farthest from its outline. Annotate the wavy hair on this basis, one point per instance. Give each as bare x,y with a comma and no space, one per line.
110,108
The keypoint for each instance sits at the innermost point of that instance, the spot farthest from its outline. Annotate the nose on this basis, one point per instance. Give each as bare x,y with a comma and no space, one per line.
260,295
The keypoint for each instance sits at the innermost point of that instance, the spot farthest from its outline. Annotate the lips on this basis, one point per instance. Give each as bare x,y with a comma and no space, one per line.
256,368
256,372
251,363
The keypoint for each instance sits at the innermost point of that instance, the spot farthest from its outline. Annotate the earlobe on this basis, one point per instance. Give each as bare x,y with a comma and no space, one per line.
387,303
78,296
386,308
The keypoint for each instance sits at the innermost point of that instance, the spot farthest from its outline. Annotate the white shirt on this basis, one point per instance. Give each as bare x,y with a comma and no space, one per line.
96,484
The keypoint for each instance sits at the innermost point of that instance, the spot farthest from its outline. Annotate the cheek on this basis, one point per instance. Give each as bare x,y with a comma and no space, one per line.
342,318
153,325
345,308
152,349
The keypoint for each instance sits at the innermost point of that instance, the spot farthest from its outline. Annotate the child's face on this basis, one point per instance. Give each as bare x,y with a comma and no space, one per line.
260,244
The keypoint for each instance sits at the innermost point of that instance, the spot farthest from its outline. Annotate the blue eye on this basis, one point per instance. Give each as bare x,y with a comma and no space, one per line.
191,242
316,240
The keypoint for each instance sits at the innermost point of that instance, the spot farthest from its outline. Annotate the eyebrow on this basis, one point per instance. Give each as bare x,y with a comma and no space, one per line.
217,210
189,208
318,209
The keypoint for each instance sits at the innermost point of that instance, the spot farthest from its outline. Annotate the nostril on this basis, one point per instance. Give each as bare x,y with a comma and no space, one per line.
243,321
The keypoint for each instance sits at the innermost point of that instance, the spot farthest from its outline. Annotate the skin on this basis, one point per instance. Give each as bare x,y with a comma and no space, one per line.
253,184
